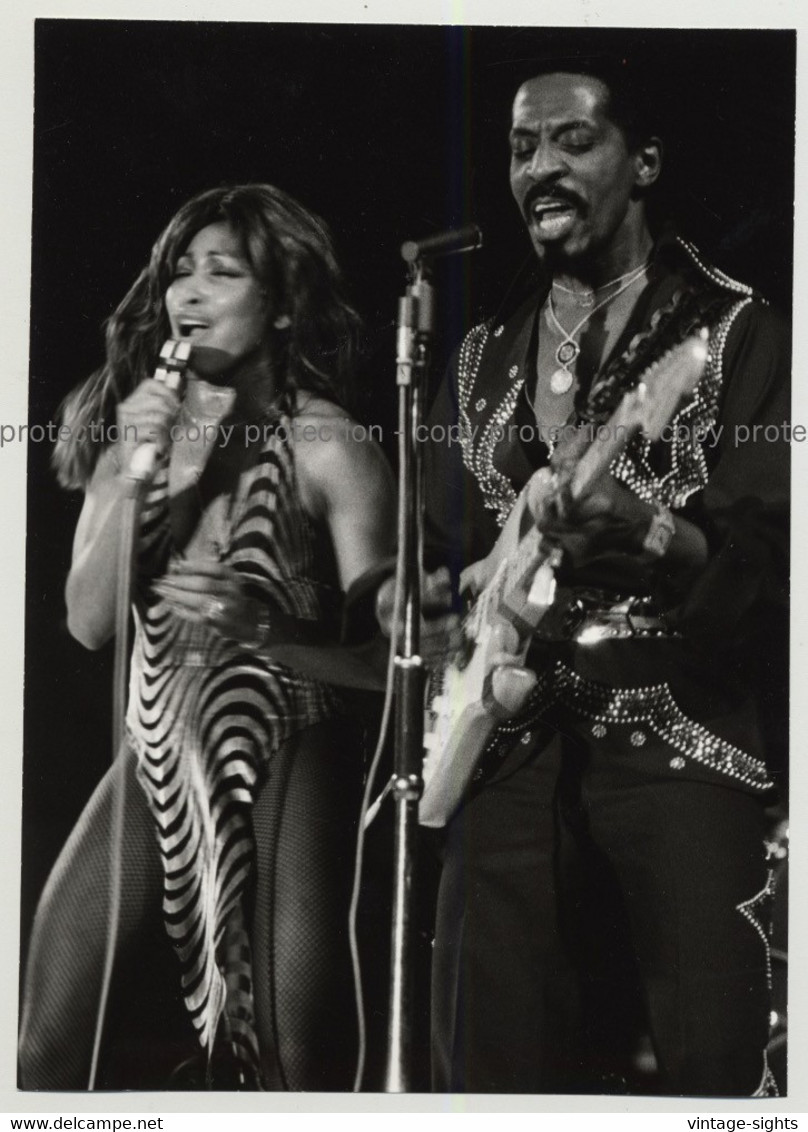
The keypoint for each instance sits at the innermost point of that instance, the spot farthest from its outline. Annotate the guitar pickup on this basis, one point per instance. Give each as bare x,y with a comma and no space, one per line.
527,613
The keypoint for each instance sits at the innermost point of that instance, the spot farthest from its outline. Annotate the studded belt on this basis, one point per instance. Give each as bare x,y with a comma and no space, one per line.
584,617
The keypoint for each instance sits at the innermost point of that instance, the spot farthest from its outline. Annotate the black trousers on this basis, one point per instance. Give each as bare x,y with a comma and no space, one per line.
578,890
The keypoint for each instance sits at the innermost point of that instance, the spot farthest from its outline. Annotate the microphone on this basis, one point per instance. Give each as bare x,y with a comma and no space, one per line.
445,243
174,357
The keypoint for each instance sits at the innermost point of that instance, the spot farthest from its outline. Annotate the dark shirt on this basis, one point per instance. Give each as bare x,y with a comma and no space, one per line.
729,629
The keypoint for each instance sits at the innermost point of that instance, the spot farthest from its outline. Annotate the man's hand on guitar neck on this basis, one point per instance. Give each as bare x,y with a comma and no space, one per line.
609,536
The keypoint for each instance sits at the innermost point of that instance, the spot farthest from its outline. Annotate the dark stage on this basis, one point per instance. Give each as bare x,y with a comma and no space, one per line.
389,133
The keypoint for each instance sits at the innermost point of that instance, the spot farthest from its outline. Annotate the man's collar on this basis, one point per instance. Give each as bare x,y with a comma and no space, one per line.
669,251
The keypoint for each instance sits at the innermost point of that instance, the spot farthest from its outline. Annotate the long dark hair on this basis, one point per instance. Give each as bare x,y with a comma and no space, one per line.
291,253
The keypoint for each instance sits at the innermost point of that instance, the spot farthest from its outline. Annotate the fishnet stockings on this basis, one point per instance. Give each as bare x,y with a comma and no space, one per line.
305,832
63,976
305,827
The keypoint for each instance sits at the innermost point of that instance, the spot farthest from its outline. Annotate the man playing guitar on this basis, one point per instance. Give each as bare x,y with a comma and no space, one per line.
611,839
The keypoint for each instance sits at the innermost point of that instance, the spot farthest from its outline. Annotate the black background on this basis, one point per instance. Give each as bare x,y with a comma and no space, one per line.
390,133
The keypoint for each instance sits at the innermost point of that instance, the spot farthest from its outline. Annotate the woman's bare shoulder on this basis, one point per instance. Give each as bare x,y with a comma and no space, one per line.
337,456
311,405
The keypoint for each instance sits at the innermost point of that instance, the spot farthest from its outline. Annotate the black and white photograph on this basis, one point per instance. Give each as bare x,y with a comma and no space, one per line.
407,561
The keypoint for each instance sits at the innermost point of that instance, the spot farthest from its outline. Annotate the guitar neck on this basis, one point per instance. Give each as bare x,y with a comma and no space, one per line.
646,408
608,442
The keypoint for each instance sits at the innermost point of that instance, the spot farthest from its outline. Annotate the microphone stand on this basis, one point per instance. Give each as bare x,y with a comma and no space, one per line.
415,329
413,348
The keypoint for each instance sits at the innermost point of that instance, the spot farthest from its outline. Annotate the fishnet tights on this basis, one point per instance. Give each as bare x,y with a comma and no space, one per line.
305,825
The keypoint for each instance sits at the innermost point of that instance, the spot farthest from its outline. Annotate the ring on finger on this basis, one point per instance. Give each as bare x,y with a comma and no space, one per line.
214,608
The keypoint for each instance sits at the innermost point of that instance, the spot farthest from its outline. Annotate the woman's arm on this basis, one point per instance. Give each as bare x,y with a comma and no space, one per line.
90,592
346,487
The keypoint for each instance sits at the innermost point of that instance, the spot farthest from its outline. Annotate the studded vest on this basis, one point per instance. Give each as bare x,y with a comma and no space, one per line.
639,695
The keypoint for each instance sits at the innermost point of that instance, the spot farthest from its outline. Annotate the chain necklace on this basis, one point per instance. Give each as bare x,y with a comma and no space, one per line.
567,353
548,434
587,298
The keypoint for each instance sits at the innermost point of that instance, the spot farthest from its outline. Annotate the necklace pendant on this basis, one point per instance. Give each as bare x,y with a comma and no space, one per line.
561,382
567,352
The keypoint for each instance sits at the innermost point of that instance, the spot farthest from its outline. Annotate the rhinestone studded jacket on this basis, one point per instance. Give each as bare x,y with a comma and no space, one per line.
686,701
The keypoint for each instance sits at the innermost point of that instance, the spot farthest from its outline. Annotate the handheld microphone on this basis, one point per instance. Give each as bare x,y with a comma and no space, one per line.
445,243
174,357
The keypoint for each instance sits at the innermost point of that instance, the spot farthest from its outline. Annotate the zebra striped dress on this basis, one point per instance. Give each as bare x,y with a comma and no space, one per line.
204,718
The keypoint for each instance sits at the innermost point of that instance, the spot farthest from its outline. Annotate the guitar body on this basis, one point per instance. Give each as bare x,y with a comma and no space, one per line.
453,735
484,683
479,687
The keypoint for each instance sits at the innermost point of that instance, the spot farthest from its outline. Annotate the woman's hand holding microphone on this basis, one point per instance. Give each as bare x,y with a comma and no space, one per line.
146,416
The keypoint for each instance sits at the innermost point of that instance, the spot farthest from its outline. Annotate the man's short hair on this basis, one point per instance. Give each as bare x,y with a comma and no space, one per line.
629,61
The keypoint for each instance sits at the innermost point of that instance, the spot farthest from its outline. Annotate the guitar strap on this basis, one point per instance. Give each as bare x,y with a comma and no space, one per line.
492,366
690,308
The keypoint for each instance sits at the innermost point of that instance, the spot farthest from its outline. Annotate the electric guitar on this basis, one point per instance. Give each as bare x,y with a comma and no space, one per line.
475,690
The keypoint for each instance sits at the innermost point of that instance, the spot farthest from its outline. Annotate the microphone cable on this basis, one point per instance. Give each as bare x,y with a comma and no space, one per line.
174,357
130,511
364,821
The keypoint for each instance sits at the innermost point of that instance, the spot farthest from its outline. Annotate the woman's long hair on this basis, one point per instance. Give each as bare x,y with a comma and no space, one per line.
290,251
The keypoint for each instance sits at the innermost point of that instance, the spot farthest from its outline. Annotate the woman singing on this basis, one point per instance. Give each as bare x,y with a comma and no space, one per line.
244,773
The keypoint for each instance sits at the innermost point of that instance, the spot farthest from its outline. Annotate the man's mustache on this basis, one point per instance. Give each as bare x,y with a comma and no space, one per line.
554,193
